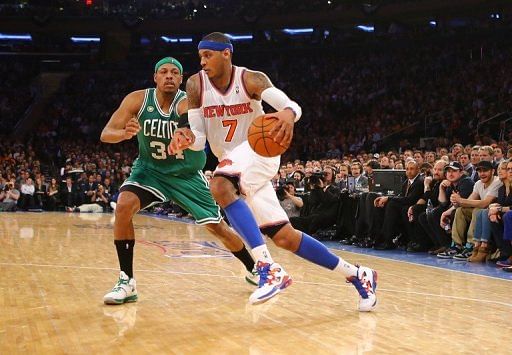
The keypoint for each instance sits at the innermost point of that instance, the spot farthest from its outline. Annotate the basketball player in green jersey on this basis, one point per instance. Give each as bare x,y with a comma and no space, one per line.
156,176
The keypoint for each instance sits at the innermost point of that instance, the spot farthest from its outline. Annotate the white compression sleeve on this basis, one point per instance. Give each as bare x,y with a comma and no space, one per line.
196,122
279,100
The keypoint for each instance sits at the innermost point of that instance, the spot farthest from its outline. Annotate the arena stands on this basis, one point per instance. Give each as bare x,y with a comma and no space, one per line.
379,102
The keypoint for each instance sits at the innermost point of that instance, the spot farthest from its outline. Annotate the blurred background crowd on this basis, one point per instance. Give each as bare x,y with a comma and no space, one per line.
434,101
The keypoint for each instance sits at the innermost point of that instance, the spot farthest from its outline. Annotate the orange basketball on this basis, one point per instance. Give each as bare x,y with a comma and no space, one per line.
260,140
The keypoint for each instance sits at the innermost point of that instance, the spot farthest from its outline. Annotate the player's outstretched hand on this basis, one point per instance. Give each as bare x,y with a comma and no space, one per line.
283,129
132,128
182,139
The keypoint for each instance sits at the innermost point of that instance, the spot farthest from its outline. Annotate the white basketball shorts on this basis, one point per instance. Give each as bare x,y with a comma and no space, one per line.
254,173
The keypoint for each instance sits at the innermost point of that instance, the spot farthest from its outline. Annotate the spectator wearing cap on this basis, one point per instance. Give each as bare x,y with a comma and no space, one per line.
456,181
484,193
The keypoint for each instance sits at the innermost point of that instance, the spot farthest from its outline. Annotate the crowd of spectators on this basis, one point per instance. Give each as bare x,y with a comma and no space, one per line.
351,102
396,94
87,174
454,203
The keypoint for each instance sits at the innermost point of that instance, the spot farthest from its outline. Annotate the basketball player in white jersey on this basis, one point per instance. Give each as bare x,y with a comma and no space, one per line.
223,101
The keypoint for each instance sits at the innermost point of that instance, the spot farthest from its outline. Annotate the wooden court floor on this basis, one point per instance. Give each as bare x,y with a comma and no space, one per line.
56,267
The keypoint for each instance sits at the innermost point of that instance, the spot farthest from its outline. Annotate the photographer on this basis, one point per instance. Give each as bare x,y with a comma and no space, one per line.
323,201
287,199
9,197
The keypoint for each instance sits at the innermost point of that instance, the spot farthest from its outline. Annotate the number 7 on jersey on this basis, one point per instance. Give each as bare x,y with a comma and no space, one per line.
232,128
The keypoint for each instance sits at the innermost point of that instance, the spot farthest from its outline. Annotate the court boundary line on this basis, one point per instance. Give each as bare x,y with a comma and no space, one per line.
329,284
418,264
177,219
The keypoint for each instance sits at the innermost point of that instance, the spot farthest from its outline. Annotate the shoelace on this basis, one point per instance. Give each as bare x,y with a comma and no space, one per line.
263,272
120,282
362,289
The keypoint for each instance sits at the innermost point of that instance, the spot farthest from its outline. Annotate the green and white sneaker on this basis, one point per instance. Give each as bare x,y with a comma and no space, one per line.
252,277
124,291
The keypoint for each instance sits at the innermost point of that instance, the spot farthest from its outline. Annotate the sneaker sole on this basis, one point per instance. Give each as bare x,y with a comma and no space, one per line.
502,265
374,281
113,301
273,293
374,305
445,257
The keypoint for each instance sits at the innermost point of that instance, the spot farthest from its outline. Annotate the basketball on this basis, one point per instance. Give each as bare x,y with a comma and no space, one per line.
260,140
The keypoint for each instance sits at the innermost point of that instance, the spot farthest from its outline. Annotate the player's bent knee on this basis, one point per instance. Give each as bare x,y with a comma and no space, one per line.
287,238
124,210
222,190
218,186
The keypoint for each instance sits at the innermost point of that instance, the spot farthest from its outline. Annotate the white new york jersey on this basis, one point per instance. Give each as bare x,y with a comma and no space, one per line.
227,117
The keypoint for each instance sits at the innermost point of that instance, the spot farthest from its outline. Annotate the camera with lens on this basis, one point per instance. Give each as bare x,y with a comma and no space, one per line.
315,180
280,192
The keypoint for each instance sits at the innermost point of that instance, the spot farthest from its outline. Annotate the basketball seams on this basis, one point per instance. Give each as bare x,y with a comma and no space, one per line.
260,140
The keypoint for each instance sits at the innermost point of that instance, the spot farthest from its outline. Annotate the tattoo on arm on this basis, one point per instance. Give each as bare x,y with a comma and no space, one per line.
256,83
194,92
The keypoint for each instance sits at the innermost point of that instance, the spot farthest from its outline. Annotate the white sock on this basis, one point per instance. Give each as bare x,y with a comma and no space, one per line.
261,253
345,268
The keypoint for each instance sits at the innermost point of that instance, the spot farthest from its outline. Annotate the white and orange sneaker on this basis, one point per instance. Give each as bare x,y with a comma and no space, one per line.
273,279
365,283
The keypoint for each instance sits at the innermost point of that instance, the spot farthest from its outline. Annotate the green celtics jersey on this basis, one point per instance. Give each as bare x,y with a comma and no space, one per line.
157,129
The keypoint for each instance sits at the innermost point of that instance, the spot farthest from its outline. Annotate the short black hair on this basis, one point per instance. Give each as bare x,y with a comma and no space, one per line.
217,37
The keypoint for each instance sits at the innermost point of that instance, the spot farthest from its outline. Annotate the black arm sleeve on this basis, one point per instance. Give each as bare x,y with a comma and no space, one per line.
183,121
